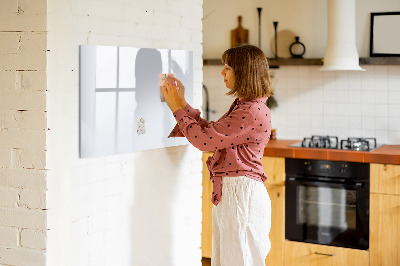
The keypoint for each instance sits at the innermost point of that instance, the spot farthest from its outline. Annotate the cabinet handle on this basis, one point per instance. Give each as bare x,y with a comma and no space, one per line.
324,254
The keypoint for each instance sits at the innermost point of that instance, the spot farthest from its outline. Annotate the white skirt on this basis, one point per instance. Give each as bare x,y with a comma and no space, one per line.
241,223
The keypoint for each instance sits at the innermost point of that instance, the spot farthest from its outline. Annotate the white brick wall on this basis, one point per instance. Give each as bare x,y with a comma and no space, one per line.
23,132
131,209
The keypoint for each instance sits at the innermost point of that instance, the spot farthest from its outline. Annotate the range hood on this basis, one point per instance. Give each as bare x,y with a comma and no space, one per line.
341,51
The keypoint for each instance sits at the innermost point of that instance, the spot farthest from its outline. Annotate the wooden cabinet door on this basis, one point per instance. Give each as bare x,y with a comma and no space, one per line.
274,168
206,225
277,233
384,237
304,254
385,178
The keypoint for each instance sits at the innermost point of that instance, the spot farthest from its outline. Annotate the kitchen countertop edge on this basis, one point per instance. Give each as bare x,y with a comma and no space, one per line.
386,154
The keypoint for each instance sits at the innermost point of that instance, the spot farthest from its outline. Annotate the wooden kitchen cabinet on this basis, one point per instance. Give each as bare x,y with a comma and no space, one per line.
385,215
385,178
274,168
305,254
206,225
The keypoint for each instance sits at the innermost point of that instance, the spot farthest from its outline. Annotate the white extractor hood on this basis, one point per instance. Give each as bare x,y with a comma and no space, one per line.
341,51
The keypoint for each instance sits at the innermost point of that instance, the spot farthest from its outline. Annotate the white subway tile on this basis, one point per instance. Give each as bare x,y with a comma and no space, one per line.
394,82
394,110
394,123
380,84
368,122
381,97
394,137
291,71
381,123
382,136
367,110
367,96
380,71
394,97
381,110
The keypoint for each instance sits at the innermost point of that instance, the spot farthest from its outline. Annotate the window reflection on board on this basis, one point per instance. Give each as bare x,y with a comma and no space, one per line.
120,107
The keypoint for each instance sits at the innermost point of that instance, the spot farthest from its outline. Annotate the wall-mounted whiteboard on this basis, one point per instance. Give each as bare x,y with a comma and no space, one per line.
120,107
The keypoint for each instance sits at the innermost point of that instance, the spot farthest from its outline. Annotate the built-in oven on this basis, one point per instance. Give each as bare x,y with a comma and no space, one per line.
327,202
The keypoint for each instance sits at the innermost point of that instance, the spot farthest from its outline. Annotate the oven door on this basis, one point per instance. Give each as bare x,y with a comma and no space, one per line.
327,213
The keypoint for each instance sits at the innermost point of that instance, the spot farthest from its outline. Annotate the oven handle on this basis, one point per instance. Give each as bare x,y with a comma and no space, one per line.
357,185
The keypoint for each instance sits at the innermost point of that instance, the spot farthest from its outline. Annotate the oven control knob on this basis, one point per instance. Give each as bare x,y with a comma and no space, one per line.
343,168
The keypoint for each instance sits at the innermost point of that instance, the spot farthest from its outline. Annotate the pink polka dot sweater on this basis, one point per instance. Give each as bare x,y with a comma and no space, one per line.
238,139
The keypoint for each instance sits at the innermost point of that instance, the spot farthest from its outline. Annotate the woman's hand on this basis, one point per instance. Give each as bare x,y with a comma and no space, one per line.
172,95
181,92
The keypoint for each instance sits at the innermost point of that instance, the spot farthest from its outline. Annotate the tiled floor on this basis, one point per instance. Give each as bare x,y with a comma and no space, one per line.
206,261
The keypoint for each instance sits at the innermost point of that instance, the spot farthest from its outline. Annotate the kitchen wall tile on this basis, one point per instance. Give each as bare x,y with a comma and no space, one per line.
328,74
381,110
354,80
304,82
394,110
329,122
355,109
315,72
354,122
355,132
394,97
304,72
292,82
291,71
367,133
355,96
342,122
342,80
381,84
368,122
316,82
367,110
394,123
394,82
381,136
342,133
366,100
329,109
381,123
393,71
394,137
342,109
367,96
342,96
380,71
329,93
381,97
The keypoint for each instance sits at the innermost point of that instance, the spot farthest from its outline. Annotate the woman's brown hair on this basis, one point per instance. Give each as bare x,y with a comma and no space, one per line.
250,66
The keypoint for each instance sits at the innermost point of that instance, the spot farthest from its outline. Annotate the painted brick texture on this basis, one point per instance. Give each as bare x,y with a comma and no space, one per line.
139,208
23,218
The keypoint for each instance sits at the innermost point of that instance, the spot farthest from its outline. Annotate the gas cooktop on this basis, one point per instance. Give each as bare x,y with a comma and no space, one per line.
332,142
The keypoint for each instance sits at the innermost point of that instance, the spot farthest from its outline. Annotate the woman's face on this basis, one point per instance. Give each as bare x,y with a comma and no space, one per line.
229,76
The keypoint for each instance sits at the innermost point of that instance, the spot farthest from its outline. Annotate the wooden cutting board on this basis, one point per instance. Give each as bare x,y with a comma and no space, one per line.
239,35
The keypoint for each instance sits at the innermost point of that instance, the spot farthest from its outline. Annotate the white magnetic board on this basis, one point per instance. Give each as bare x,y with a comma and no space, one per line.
120,107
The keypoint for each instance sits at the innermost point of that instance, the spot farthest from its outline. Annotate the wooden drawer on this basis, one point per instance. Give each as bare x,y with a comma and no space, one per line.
304,254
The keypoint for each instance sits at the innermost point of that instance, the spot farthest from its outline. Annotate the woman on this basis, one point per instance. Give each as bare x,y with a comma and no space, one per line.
242,208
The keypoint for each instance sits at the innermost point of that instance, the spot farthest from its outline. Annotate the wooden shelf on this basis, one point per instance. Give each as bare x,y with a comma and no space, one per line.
380,61
273,63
